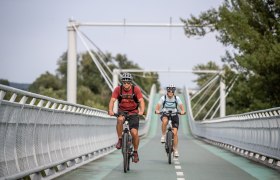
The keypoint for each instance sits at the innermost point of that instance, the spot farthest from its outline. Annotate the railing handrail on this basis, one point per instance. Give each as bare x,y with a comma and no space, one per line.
53,100
41,133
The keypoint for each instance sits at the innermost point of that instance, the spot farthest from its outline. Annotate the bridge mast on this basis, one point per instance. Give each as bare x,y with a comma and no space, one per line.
222,96
72,63
72,58
72,49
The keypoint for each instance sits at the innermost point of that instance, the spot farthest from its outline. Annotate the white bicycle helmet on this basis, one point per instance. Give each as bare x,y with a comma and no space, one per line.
127,77
171,87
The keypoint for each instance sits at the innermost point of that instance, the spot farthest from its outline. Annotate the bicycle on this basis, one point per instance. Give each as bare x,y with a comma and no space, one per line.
126,142
169,141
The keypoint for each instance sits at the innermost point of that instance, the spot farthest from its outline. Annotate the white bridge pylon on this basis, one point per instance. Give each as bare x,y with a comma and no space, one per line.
72,48
72,58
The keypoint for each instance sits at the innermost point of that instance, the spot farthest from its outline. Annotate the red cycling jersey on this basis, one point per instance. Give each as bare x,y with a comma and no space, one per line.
127,103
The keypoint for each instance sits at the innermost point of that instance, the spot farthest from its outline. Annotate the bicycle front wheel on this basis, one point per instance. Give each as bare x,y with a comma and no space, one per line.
125,152
169,145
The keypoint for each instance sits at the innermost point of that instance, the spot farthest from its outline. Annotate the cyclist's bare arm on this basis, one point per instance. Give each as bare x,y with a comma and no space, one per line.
142,106
157,108
182,108
111,106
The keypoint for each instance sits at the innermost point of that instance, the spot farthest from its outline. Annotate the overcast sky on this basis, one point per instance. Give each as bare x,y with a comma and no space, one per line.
33,35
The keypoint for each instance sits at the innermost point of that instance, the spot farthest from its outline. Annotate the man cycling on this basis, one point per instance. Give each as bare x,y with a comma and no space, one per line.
129,97
170,102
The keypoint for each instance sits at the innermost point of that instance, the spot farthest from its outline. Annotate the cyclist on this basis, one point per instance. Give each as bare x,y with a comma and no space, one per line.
170,102
129,97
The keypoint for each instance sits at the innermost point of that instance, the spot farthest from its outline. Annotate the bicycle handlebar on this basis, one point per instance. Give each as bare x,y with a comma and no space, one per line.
125,113
170,113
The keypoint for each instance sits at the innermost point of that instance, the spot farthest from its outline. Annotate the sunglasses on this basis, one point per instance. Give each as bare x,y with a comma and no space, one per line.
171,88
170,91
126,82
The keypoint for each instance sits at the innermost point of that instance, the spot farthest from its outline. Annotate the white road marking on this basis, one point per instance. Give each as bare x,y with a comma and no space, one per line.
180,173
178,167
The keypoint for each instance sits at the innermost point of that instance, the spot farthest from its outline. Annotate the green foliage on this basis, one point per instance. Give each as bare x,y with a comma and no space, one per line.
88,98
252,28
199,108
4,82
61,71
144,80
49,85
92,89
204,77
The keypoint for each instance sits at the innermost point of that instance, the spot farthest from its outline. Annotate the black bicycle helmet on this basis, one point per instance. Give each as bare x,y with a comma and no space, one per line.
127,77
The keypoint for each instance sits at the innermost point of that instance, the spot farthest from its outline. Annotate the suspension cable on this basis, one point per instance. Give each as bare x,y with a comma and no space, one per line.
233,81
215,77
207,101
103,62
101,59
215,103
98,65
99,50
204,94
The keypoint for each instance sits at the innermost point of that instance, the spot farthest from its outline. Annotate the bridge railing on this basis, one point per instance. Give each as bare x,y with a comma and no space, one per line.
255,132
45,137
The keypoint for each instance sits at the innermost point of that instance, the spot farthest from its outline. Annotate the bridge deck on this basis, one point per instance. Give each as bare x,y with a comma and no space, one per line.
197,160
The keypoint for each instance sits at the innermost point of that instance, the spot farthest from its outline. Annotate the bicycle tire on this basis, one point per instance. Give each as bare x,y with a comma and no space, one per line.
169,145
125,151
130,155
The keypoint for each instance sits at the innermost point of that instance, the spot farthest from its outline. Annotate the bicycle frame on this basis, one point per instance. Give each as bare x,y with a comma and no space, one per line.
126,143
169,137
169,142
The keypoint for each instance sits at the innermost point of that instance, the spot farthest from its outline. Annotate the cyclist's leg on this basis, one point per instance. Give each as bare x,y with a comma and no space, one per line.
164,121
135,138
119,126
134,125
175,132
175,124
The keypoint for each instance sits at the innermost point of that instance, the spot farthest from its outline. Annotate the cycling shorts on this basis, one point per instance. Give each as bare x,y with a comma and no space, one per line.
175,120
133,121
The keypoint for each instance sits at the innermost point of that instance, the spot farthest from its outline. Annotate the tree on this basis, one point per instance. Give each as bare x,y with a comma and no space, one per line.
203,77
145,81
61,71
92,89
49,85
203,103
4,82
252,28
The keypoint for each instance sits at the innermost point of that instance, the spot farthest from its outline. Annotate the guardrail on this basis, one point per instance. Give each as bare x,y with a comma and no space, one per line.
254,134
42,137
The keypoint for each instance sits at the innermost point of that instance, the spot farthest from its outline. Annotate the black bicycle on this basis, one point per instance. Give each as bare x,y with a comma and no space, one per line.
126,142
169,141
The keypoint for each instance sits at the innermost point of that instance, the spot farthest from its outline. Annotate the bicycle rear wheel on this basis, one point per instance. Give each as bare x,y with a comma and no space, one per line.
125,152
169,145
